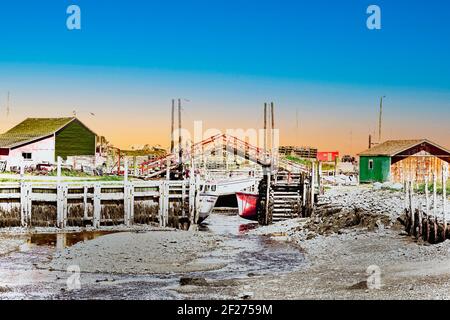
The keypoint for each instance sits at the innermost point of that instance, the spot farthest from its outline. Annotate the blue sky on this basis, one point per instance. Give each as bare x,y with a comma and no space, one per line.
307,55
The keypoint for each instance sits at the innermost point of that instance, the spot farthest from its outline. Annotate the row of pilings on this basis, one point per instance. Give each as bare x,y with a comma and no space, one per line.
428,221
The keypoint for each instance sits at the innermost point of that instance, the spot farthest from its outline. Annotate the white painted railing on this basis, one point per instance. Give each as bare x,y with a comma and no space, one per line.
23,195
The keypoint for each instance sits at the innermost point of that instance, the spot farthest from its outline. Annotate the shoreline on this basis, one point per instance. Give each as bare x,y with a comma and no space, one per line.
343,264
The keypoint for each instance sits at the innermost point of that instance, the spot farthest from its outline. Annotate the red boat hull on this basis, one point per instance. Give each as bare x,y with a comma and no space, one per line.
247,203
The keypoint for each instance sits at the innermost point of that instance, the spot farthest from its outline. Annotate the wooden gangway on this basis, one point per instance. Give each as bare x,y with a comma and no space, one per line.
230,144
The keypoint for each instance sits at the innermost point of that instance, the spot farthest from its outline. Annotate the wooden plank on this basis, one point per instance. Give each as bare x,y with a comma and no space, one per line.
128,203
61,205
25,204
97,205
85,202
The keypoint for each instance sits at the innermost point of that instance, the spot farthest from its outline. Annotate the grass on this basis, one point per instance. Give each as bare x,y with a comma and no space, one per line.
439,189
64,173
306,162
69,173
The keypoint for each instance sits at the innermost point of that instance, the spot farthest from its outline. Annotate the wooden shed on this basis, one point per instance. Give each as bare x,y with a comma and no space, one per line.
42,140
397,160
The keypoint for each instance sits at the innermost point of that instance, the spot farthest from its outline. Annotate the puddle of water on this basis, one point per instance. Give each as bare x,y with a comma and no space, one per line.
61,240
245,253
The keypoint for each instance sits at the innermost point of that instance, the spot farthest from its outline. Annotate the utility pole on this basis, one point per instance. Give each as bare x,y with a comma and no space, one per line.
265,129
272,119
180,151
172,127
380,119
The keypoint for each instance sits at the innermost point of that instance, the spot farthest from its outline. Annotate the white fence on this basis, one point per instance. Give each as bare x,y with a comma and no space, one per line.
161,198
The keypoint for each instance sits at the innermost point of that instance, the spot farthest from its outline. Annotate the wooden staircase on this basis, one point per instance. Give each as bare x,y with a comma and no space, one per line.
285,201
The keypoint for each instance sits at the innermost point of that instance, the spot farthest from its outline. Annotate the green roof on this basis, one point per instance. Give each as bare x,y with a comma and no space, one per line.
32,129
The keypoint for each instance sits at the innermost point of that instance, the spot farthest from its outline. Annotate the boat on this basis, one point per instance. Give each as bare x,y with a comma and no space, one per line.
231,186
247,204
211,190
207,201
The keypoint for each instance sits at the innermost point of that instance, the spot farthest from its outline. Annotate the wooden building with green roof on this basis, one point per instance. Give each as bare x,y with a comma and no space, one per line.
400,160
43,140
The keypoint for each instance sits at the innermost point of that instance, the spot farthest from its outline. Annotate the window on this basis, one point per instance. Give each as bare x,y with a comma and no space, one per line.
26,155
371,164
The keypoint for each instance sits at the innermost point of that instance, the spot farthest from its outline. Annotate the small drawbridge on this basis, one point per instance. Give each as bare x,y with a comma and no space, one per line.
232,145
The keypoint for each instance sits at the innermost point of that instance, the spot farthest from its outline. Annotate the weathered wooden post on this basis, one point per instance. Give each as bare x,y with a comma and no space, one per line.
128,202
163,203
85,202
411,207
434,193
312,183
166,204
183,198
335,166
304,195
405,189
427,197
444,199
25,204
267,209
197,198
97,205
427,209
61,204
319,177
192,191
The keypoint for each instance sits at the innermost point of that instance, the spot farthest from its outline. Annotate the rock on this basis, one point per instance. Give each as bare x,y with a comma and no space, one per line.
4,289
362,285
193,281
397,186
377,186
379,225
246,295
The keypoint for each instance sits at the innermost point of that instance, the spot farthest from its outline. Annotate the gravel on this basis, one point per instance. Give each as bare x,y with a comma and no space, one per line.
340,263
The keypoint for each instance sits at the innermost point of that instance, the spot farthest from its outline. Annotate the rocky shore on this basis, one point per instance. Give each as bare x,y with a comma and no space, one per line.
354,240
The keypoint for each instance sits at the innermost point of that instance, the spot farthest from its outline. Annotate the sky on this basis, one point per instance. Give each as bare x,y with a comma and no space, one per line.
316,60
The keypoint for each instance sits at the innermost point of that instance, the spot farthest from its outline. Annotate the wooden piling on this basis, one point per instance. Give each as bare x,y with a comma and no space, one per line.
128,200
444,199
85,202
61,205
97,205
25,204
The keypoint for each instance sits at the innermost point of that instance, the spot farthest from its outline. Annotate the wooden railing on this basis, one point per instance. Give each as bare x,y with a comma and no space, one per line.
89,201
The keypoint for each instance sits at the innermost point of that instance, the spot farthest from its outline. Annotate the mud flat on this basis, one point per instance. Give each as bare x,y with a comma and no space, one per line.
155,252
10,244
346,247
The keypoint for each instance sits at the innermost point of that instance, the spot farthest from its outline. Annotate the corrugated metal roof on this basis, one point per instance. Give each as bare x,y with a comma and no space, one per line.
32,129
392,147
